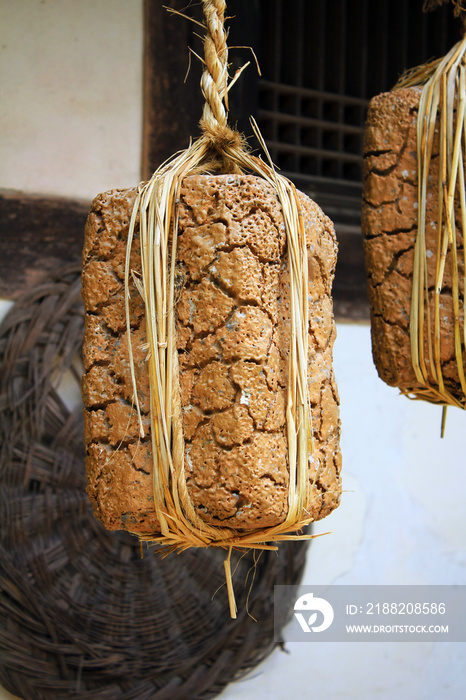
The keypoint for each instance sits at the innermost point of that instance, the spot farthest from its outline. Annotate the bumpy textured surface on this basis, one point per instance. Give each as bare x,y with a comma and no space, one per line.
389,221
233,337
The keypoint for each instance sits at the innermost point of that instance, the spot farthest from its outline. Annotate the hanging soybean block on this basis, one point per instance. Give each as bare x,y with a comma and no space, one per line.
413,219
211,407
233,328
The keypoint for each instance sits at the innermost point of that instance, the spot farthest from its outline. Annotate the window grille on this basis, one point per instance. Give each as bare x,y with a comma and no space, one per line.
321,62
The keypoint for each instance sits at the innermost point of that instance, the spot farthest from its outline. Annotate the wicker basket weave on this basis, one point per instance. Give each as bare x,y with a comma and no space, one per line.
81,614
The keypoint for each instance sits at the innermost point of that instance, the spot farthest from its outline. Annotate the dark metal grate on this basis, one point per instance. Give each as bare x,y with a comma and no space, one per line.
321,63
322,153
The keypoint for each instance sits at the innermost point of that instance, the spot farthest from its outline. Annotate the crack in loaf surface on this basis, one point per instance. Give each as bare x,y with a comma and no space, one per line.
233,335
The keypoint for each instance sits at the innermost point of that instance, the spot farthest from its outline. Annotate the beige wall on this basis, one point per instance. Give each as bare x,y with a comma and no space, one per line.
71,95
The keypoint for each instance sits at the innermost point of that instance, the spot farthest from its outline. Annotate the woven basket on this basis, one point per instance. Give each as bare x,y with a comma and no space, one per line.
82,615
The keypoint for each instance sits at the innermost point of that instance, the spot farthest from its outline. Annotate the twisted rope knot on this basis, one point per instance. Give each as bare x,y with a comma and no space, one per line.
222,137
223,141
214,85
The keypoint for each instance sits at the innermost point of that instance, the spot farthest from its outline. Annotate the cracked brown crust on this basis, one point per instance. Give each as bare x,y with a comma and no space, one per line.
389,223
233,336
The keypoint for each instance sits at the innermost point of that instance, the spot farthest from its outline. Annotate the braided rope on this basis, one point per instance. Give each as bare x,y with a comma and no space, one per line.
214,80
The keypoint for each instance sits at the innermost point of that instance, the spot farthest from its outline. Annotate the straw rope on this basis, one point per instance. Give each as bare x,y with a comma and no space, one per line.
443,95
214,80
214,87
218,148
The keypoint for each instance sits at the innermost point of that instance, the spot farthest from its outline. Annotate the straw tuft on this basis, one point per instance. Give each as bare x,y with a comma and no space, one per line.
221,137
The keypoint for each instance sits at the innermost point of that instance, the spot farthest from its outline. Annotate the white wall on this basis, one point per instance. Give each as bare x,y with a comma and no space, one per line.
71,92
70,124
